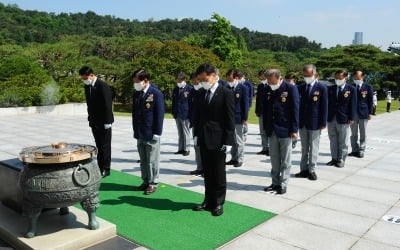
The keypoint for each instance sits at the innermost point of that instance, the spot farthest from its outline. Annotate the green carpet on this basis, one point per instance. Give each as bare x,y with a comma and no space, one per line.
164,220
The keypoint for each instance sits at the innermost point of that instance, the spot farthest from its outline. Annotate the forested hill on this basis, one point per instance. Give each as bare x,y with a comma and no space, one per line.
24,26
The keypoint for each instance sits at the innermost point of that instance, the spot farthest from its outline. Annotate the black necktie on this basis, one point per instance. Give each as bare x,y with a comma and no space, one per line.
307,89
358,88
208,96
232,88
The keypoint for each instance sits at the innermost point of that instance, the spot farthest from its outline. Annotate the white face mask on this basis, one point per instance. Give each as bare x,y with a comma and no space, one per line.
340,82
264,81
275,87
309,79
87,82
197,87
138,85
180,84
206,85
358,82
231,84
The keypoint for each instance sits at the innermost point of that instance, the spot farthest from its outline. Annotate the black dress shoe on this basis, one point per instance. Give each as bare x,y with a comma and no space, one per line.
281,190
105,173
302,174
267,152
201,207
218,211
270,188
262,152
142,187
231,162
238,165
332,163
312,176
196,172
339,164
355,154
361,154
186,153
179,152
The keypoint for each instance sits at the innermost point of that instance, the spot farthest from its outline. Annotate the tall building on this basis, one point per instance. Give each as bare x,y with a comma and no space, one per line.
358,38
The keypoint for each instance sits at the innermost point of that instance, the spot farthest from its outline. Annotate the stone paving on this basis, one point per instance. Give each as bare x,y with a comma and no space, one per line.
343,209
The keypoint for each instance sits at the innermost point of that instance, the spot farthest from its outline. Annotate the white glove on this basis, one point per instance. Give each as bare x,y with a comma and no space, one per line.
156,137
226,149
107,126
195,141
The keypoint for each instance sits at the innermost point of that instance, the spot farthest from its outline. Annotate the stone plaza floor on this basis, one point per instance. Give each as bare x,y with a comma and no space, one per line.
343,209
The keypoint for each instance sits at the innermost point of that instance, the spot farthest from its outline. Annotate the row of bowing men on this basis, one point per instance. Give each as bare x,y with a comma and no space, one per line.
213,114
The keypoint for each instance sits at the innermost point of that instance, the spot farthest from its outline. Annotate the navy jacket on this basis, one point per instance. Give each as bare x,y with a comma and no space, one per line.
180,102
343,105
261,98
241,103
250,91
313,106
214,123
281,111
364,100
99,104
147,113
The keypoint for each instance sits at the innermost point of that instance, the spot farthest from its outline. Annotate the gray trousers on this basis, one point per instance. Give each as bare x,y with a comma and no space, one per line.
359,124
245,132
338,137
264,137
281,159
309,149
197,156
183,134
238,146
149,152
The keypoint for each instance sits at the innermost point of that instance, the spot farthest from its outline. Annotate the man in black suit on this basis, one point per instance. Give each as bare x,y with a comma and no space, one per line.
100,116
214,132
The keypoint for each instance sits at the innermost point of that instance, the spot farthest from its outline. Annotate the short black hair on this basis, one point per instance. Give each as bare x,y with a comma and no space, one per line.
340,71
207,68
193,75
262,72
85,71
141,74
239,74
362,73
231,72
181,76
291,76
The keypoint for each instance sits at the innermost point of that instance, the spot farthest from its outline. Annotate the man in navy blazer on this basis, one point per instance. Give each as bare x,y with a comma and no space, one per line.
260,102
313,118
281,123
342,101
241,115
180,111
147,119
365,108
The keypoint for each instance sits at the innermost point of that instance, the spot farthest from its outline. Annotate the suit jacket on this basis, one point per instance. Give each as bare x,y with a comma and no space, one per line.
313,106
365,105
342,105
214,123
261,98
180,102
222,83
192,106
147,113
99,104
281,112
250,92
241,103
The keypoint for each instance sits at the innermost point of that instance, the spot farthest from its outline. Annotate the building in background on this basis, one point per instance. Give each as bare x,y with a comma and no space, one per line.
358,38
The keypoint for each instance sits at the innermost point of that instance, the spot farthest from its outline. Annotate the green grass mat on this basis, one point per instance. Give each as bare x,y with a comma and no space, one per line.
164,220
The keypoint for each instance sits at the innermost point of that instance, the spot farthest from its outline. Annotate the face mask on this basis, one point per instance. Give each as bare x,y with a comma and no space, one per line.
180,84
87,82
197,87
340,82
309,80
275,87
138,85
206,85
264,81
358,82
231,84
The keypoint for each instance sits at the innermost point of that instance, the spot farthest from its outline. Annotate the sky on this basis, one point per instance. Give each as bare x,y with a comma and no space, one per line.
326,22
